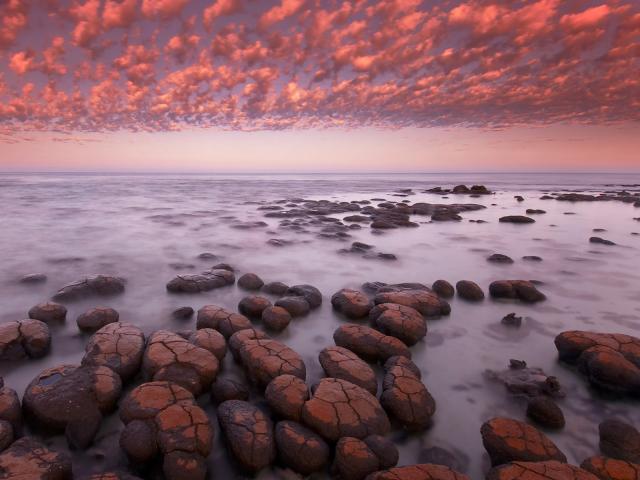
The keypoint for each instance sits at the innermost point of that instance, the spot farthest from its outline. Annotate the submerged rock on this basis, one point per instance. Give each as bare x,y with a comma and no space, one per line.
499,258
96,318
601,241
33,278
351,303
101,285
516,289
516,219
24,338
215,278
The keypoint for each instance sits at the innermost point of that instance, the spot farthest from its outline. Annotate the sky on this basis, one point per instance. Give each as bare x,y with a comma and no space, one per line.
319,85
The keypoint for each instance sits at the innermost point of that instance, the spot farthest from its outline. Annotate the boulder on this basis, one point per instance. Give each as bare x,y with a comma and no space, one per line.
209,280
404,323
354,460
286,395
221,319
469,290
507,440
94,285
423,471
96,318
338,362
253,306
339,408
29,459
296,306
351,303
250,281
421,299
516,219
443,288
545,411
605,468
601,241
619,440
33,278
517,289
211,340
249,434
499,258
182,313
24,338
275,288
368,343
300,449
224,389
49,312
547,470
119,346
72,399
310,293
276,318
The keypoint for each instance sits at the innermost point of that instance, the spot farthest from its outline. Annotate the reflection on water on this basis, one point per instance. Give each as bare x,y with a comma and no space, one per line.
148,228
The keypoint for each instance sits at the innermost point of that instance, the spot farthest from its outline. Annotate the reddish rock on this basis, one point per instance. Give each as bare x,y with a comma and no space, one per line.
24,338
338,362
276,318
297,306
224,389
354,460
211,340
28,459
253,306
443,288
507,440
221,319
369,344
310,293
49,312
300,449
469,291
619,440
404,323
100,285
421,299
118,346
549,470
286,395
339,409
214,278
423,471
351,303
546,412
96,318
611,469
517,289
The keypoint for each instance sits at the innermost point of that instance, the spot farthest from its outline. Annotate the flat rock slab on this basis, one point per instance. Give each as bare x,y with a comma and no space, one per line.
202,282
341,409
94,285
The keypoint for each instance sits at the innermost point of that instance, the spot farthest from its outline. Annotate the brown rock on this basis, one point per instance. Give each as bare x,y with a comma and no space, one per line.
338,362
443,288
250,281
28,459
611,469
423,471
253,306
354,460
469,291
49,312
351,303
300,449
297,306
221,319
214,278
96,318
404,323
224,389
211,340
286,395
101,285
24,338
544,411
516,289
619,440
276,318
368,343
421,299
549,470
118,346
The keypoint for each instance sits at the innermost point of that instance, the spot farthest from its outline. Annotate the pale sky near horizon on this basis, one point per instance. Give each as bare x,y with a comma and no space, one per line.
319,85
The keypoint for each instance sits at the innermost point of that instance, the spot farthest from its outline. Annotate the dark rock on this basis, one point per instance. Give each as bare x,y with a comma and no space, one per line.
548,470
416,296
11,410
620,440
207,256
354,460
221,319
138,440
499,258
339,409
101,285
469,290
443,288
276,318
182,313
249,434
528,381
384,449
24,338
368,343
250,281
72,399
441,456
519,198
214,278
96,318
286,396
532,258
224,389
253,306
310,293
29,459
535,211
119,346
49,312
605,468
211,340
296,306
424,471
338,362
33,278
601,241
507,440
351,303
300,449
516,289
275,288
404,323
512,320
544,411
516,219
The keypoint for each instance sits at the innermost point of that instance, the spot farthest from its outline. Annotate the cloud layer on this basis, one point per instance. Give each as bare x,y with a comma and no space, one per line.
157,65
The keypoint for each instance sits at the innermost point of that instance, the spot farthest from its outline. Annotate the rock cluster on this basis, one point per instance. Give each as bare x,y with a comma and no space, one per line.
24,339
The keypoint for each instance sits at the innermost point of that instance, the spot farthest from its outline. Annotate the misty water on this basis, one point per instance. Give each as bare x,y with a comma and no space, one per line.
148,228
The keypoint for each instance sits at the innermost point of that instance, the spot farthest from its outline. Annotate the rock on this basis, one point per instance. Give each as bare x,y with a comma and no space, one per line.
250,281
72,399
221,319
338,362
443,288
33,278
224,389
605,468
535,211
119,346
507,440
310,293
620,440
112,476
182,313
519,198
469,291
516,219
275,288
368,343
6,434
499,258
532,258
351,303
24,338
286,396
610,361
96,318
264,359
253,306
170,357
49,312
455,460
516,289
601,241
29,459
339,408
296,306
544,411
511,319
211,340
276,318
418,297
530,382
404,323
404,396
249,434
299,448
354,460
424,471
384,449
214,278
162,416
11,410
549,470
223,266
100,285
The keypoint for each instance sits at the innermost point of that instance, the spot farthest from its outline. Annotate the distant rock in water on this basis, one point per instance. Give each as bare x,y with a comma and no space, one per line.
33,278
499,258
532,258
49,312
92,285
469,290
24,338
203,282
516,219
601,241
523,290
96,318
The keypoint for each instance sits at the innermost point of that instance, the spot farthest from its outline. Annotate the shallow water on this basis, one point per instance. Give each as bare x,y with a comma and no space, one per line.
140,226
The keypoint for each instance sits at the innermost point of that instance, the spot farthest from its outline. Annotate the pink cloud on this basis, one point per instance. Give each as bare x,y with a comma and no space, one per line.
278,13
119,13
22,62
163,9
218,9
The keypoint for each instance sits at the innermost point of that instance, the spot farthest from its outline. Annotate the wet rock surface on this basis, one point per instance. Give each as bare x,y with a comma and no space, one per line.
29,459
338,362
443,288
94,285
119,346
516,289
96,318
351,303
339,408
275,318
253,306
605,468
547,470
469,290
300,449
286,395
49,312
221,319
24,339
545,412
404,323
423,471
416,296
369,344
209,280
